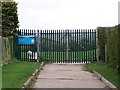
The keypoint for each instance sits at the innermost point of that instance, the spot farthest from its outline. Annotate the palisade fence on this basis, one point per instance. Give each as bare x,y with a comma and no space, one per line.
58,46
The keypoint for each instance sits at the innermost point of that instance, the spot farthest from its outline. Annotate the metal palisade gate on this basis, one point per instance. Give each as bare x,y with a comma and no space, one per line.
58,46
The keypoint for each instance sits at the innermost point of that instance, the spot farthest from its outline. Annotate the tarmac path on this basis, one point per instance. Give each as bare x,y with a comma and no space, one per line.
67,76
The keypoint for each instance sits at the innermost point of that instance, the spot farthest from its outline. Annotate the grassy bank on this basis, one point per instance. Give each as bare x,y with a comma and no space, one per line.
109,73
17,72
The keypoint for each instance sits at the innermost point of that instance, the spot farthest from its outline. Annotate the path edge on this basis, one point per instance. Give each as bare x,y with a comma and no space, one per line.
104,80
33,76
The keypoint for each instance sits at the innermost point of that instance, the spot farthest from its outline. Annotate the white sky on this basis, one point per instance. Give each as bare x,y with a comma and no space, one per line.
67,14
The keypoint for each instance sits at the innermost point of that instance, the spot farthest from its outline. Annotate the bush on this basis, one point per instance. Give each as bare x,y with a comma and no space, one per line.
112,42
9,18
7,49
101,42
109,36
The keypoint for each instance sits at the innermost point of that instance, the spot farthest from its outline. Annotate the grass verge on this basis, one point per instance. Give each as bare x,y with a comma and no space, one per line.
17,72
107,72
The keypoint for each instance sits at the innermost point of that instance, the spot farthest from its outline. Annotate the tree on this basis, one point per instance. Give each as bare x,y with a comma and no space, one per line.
9,19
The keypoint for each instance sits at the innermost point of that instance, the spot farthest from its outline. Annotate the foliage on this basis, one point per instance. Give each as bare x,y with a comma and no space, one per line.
75,42
9,18
109,36
101,42
118,47
8,48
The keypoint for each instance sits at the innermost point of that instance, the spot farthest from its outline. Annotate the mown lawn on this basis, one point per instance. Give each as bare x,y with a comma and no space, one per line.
61,56
16,73
109,73
0,77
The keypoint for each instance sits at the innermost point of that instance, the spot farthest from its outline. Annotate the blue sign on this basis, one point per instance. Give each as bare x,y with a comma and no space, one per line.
26,39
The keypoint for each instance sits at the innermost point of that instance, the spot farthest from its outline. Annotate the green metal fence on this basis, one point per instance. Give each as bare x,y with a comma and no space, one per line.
59,46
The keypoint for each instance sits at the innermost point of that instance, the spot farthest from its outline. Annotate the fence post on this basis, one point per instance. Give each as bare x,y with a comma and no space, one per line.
38,46
67,46
95,44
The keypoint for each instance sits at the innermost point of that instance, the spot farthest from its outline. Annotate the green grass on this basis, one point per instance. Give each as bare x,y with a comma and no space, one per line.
0,77
78,56
106,71
17,72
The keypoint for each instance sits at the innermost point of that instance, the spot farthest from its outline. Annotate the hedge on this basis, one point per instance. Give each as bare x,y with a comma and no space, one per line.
109,36
119,49
112,43
101,42
8,49
0,50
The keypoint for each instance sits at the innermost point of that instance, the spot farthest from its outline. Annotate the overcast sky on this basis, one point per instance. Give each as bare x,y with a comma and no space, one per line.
67,14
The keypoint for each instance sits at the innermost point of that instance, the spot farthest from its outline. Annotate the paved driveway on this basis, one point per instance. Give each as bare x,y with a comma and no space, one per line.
67,76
